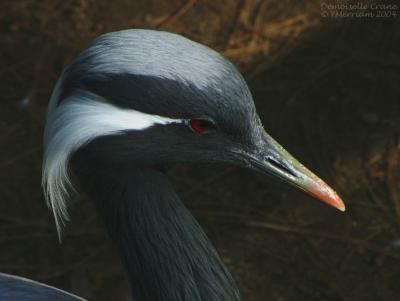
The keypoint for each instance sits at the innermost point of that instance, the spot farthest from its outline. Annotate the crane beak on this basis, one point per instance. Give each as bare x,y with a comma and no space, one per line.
271,158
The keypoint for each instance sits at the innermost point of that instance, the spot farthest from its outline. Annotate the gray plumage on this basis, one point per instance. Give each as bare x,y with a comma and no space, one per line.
125,101
14,288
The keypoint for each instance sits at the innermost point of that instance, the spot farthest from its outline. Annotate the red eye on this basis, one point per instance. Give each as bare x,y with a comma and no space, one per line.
201,125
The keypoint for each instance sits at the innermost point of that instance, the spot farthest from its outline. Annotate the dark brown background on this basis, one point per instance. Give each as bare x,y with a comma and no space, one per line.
328,89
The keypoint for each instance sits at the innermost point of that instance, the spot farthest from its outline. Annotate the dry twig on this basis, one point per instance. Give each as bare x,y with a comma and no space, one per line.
176,15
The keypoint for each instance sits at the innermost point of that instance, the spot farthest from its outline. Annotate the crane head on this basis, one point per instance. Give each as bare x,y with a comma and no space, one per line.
147,98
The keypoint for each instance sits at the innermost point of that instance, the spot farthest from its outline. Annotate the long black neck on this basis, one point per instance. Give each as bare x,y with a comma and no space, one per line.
167,254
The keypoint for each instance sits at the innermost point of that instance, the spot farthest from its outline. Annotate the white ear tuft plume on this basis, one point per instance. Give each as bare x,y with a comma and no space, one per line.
75,122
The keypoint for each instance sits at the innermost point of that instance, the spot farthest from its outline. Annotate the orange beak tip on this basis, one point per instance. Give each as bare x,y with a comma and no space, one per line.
324,193
336,202
342,208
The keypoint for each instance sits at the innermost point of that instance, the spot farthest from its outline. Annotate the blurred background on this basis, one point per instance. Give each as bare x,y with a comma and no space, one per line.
326,87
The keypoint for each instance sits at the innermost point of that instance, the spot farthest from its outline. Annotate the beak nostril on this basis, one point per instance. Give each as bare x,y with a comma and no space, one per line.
280,166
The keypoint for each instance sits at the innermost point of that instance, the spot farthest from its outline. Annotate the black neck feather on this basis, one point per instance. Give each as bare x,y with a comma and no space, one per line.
167,254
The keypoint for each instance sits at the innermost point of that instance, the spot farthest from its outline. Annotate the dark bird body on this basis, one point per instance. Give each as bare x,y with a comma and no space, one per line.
133,102
14,288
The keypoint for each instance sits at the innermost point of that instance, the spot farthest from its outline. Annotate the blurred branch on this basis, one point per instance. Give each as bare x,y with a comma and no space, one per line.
242,220
175,16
